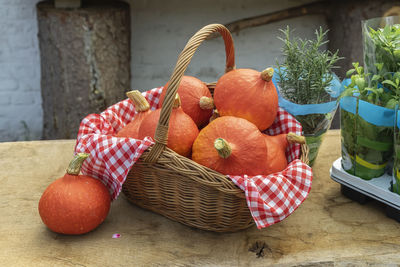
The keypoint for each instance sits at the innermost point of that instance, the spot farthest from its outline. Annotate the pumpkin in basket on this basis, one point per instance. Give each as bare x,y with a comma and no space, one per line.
182,130
142,109
231,145
247,94
194,200
74,204
196,99
276,145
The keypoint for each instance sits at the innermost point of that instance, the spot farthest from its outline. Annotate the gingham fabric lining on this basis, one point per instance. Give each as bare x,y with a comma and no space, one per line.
270,198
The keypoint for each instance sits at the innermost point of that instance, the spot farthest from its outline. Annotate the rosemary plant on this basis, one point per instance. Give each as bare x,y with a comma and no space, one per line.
306,74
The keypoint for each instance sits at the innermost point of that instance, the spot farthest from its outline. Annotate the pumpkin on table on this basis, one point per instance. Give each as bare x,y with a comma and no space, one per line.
231,145
74,204
196,99
247,94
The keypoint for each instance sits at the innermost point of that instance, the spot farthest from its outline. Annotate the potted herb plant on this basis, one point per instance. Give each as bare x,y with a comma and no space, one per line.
367,120
370,101
308,88
381,37
396,163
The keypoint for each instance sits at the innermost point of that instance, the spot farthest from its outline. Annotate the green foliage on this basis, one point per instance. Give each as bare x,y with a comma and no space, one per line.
383,46
396,164
354,126
378,84
348,131
306,75
382,61
383,89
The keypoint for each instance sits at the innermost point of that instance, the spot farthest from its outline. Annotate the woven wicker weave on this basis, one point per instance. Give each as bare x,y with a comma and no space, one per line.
177,187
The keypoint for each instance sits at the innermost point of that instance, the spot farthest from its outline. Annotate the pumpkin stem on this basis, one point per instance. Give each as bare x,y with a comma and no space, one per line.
267,74
75,165
214,115
177,101
223,148
294,138
141,104
206,102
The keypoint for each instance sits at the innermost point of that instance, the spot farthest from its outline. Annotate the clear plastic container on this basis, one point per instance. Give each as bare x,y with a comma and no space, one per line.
396,160
381,50
367,140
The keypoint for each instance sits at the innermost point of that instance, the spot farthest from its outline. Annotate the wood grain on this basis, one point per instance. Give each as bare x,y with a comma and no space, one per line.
326,230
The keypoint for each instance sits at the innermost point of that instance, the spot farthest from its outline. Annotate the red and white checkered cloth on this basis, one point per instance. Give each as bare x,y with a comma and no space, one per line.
270,198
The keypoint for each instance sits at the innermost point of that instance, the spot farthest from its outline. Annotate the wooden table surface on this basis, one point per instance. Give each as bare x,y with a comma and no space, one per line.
326,230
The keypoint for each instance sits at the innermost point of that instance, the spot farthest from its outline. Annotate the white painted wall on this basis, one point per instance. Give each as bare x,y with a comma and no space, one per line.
160,29
20,98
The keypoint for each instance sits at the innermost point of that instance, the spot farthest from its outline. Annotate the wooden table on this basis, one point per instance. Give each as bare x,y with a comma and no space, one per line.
326,230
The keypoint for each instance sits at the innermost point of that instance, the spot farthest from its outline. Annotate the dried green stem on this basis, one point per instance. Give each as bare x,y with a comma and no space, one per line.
223,148
293,138
214,115
140,102
206,102
267,74
177,101
75,165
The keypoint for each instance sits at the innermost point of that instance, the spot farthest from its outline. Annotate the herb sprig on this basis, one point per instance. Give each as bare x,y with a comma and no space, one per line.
383,89
306,73
383,46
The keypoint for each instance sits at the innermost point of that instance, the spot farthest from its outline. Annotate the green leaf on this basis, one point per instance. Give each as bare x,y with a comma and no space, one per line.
350,72
308,68
379,66
376,77
387,30
389,82
360,82
384,42
391,104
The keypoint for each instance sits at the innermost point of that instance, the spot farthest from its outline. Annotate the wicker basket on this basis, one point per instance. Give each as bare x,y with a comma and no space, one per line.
174,186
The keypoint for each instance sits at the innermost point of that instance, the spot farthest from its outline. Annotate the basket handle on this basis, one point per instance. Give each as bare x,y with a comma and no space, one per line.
161,134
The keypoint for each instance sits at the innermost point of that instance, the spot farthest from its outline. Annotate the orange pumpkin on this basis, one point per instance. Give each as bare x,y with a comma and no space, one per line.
276,145
142,109
247,94
196,99
182,130
74,204
231,145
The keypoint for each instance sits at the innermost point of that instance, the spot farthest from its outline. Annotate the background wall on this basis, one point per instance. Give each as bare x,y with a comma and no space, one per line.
160,30
20,98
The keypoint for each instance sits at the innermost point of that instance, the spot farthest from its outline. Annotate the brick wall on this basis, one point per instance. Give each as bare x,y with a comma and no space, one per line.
20,99
159,32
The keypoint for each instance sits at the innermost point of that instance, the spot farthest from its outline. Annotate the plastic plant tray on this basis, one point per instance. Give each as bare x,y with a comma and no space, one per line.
361,190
